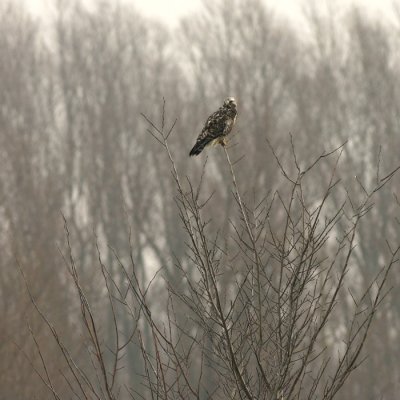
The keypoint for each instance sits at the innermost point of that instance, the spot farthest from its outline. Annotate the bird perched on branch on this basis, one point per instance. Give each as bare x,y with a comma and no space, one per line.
217,127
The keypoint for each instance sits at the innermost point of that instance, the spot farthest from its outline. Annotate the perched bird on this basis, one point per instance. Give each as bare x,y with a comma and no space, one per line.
217,127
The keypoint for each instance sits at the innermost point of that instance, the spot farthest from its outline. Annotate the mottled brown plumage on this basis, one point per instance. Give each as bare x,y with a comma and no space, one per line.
217,127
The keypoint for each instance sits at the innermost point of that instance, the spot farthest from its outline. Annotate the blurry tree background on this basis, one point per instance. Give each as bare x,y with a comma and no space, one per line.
72,141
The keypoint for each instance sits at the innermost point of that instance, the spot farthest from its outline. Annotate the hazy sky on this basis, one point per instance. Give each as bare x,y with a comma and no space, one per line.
170,11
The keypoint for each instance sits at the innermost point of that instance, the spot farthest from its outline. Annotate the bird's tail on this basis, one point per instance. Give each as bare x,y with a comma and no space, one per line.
198,147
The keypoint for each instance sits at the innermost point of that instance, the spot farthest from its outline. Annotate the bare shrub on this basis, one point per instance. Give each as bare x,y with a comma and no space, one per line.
256,303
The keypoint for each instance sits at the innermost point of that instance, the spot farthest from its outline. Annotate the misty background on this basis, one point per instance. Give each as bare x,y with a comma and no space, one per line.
73,143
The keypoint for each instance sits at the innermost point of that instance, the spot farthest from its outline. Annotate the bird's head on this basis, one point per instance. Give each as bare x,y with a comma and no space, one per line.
230,102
